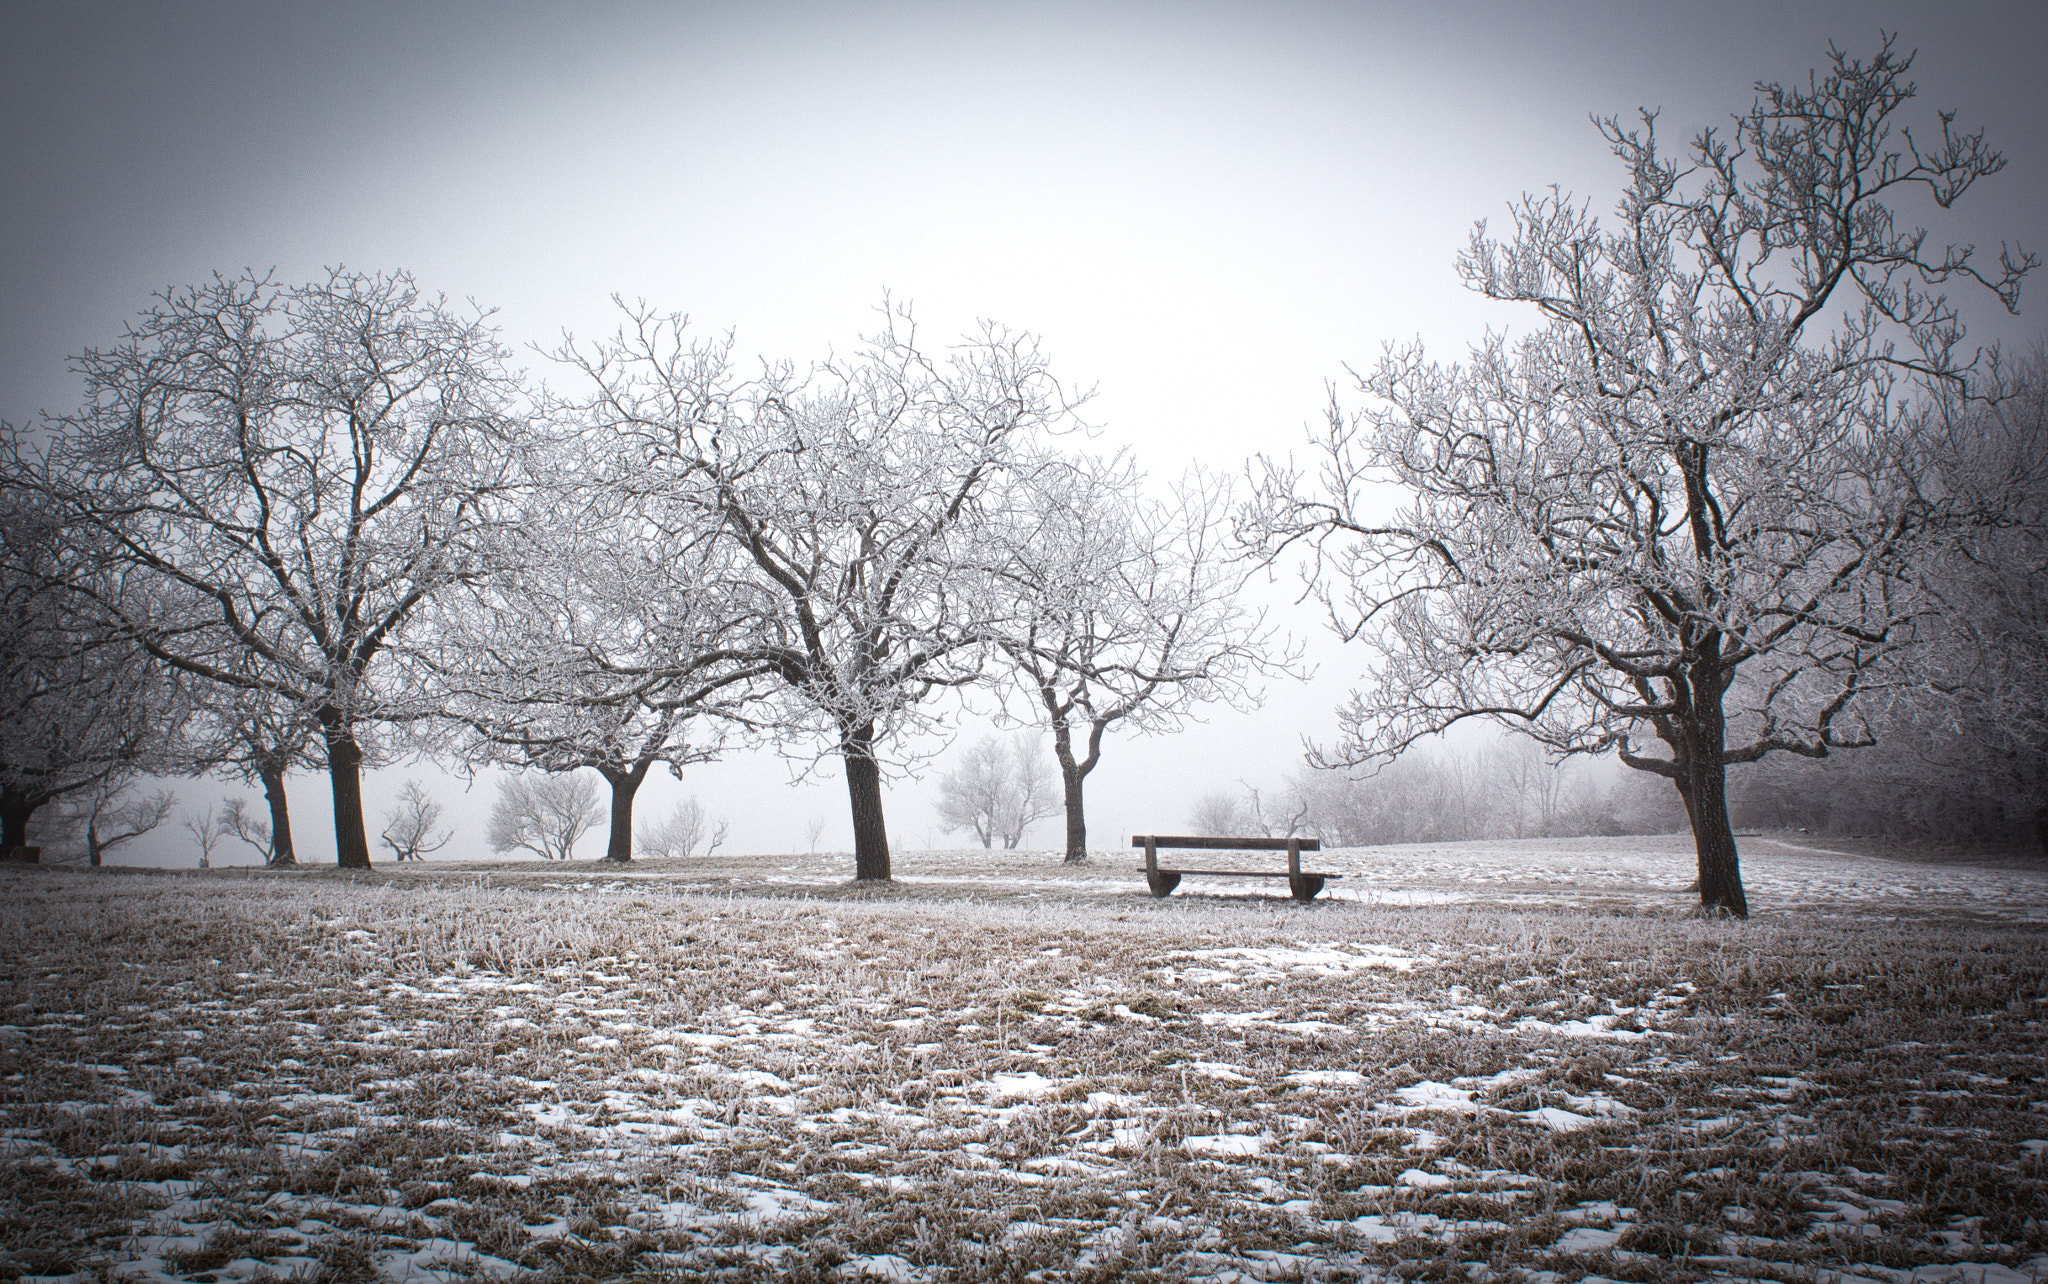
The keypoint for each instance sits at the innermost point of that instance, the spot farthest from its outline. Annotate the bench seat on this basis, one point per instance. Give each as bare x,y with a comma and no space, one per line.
1161,881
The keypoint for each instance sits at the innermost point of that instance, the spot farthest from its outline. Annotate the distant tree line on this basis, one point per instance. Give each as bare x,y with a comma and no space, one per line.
1508,791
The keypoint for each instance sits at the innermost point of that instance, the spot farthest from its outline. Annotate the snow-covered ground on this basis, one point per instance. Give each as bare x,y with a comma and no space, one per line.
1476,1060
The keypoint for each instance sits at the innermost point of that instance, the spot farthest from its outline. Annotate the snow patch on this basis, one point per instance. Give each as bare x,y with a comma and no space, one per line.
1557,1120
1029,1085
1325,1079
1431,1095
1229,1144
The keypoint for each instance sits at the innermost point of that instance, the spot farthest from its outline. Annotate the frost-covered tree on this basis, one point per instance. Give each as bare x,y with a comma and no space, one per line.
89,824
857,497
282,477
1530,786
207,831
119,817
1219,814
682,831
1687,509
998,792
238,823
1126,612
82,709
409,828
601,638
256,735
544,815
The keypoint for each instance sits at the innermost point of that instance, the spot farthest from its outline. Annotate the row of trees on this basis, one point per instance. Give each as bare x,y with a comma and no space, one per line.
317,526
87,825
1740,491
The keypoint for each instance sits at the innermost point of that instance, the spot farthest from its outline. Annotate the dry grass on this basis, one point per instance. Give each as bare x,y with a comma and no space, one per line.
210,1078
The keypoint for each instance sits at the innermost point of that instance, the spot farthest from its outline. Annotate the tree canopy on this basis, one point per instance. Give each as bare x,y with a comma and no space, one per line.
1688,508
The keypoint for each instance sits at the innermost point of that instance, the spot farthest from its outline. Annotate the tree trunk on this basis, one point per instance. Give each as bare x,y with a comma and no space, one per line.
1703,783
345,773
1714,838
625,784
15,811
282,854
1073,775
864,791
1685,797
1701,777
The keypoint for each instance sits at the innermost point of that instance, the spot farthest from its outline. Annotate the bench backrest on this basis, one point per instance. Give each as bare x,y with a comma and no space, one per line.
1205,842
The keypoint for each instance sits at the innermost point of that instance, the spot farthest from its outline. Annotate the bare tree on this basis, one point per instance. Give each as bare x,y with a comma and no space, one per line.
970,796
1126,612
1705,464
409,827
544,815
1285,818
858,497
1529,785
814,829
115,818
206,830
237,823
82,709
86,825
258,736
601,640
997,793
285,476
1220,814
678,835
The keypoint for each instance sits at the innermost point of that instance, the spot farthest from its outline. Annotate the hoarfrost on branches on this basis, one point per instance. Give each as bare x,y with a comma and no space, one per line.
999,792
1690,506
283,476
409,827
1126,611
544,815
860,500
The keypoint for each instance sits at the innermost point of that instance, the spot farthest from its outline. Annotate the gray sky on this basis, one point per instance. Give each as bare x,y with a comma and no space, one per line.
1206,210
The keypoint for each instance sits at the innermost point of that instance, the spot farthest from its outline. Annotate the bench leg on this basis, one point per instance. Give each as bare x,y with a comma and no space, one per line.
1161,881
1304,886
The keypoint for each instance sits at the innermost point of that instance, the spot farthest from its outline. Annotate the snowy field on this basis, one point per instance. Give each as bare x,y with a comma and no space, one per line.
1488,1061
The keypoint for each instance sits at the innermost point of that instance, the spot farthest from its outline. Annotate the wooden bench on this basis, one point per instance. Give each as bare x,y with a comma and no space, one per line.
1302,886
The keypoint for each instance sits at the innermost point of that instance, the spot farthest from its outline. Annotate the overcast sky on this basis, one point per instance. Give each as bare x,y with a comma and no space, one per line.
1205,210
